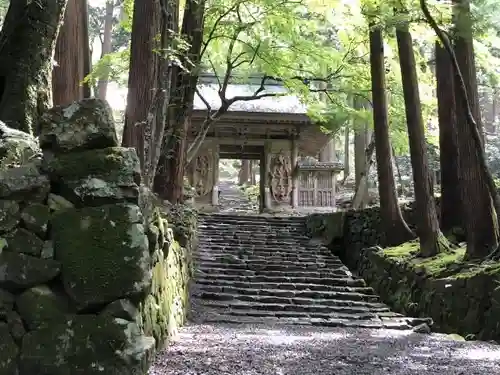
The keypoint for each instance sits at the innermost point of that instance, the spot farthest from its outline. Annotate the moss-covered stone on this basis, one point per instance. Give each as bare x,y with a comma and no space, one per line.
20,271
36,218
6,303
57,203
16,326
104,253
10,215
16,147
97,176
41,305
87,345
8,351
25,242
24,183
165,308
87,124
47,250
123,309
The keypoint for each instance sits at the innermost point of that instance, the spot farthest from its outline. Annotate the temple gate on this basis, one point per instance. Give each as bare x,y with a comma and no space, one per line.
277,132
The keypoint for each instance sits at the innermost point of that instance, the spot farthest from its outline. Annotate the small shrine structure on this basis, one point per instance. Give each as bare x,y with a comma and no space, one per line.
274,130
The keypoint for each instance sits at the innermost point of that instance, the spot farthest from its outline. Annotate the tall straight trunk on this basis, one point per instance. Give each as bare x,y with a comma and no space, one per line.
28,38
142,73
347,170
244,174
464,52
172,164
102,85
480,218
71,55
431,239
361,138
87,56
451,212
395,228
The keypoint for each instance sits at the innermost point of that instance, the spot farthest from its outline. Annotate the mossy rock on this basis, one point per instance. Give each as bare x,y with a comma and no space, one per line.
24,183
41,306
6,303
36,218
87,345
20,271
87,124
123,309
10,215
98,176
25,242
8,351
104,253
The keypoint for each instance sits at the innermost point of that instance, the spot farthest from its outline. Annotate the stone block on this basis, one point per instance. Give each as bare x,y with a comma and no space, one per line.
40,306
97,177
87,124
20,271
25,242
24,183
87,344
104,253
36,218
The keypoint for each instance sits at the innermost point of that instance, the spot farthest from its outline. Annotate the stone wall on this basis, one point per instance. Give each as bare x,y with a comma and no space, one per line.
467,303
87,286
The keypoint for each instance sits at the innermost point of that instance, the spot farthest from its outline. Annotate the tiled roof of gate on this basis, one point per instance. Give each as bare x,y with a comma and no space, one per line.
280,104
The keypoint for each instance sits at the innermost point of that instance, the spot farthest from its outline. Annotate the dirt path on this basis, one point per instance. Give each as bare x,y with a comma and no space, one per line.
251,350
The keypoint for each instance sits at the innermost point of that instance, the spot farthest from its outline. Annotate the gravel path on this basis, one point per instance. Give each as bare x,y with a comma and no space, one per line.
252,350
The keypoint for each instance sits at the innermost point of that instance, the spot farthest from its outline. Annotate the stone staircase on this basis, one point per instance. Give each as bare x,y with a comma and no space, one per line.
258,269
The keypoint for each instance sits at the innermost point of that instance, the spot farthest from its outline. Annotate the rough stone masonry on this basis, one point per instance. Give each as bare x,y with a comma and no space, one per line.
75,262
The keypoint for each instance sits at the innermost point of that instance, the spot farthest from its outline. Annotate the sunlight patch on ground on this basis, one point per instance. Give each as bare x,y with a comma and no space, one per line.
478,354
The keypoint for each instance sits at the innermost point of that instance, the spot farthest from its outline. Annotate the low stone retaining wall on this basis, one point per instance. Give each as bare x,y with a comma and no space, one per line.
86,284
466,302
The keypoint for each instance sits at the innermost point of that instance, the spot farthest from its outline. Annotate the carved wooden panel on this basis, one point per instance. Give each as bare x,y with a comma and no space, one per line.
316,189
202,176
280,177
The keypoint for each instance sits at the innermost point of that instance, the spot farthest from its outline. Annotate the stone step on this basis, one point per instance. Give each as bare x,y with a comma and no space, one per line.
341,323
218,261
339,280
206,239
267,266
288,308
334,281
259,255
387,315
333,300
290,249
357,294
306,274
344,285
225,218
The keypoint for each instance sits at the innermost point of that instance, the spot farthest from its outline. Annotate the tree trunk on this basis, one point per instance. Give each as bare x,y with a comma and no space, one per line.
464,52
142,73
361,196
102,85
171,166
87,57
28,39
70,55
361,137
244,174
395,228
347,170
451,212
431,239
480,218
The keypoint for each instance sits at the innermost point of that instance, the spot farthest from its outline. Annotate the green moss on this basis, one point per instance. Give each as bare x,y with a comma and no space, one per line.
104,253
113,163
447,264
164,309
